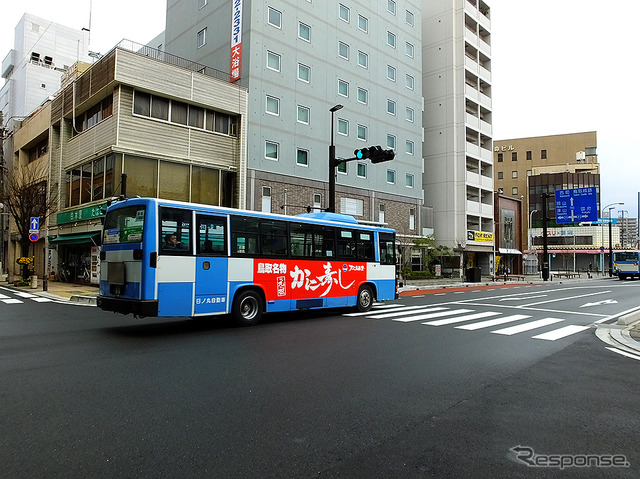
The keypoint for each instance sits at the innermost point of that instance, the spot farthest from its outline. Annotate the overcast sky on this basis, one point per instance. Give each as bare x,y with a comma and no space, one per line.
559,66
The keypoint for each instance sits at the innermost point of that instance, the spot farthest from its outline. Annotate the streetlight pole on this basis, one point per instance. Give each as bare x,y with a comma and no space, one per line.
332,165
611,206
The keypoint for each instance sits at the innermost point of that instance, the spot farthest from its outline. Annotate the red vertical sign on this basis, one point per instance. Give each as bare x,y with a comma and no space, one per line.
236,39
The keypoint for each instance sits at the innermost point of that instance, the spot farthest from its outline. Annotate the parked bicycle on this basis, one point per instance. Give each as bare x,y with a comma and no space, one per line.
64,273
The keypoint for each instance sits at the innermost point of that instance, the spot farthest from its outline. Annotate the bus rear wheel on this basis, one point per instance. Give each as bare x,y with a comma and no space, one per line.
365,298
247,308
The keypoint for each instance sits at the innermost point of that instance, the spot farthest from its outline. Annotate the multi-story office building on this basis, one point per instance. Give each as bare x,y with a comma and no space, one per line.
458,178
299,59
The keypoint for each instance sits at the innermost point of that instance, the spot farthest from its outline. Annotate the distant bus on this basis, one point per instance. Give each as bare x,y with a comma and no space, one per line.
626,264
170,258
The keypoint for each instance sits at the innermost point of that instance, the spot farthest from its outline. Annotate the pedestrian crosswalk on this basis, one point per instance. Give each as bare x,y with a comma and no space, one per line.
447,315
20,297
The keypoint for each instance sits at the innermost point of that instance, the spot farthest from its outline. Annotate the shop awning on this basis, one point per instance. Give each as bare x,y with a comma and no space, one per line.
80,238
509,251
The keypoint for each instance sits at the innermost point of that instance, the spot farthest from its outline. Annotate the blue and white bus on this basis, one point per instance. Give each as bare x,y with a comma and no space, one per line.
626,264
170,258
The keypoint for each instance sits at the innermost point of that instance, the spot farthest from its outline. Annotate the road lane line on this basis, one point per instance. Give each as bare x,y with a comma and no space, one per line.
41,300
405,313
624,353
25,295
527,326
493,322
561,333
2,296
11,301
420,317
563,299
460,319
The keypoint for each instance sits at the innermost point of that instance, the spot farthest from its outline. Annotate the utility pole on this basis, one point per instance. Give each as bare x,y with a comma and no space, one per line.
545,253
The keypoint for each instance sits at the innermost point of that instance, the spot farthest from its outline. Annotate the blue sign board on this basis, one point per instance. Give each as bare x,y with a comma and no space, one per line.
576,205
34,223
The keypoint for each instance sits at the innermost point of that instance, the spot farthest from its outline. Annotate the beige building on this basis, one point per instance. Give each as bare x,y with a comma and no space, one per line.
138,122
556,161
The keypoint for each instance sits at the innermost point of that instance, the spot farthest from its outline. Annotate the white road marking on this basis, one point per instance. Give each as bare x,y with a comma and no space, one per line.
25,295
493,322
460,319
564,299
420,317
2,296
11,301
405,313
398,307
561,333
624,353
527,326
41,300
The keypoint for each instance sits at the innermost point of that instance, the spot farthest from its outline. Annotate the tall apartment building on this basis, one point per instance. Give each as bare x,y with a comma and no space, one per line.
299,59
458,177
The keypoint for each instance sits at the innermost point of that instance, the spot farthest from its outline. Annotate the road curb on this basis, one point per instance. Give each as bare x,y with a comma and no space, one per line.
80,299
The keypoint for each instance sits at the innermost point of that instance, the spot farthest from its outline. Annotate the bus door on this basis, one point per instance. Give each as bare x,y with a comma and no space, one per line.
211,264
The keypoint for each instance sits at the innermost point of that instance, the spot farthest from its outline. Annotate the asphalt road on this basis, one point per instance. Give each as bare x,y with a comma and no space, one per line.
85,393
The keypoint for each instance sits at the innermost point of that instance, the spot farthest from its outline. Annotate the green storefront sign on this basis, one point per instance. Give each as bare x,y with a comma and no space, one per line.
82,214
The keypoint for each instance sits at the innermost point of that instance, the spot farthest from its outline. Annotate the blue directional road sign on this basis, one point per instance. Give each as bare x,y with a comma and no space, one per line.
576,205
34,223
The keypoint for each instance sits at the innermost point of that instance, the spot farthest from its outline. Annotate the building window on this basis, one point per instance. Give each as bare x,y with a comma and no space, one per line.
391,177
343,50
529,173
343,13
362,132
343,126
514,174
410,114
409,180
304,32
274,17
409,17
273,105
302,157
391,73
343,88
514,156
500,175
317,202
303,114
408,49
304,73
500,157
271,150
363,59
409,147
273,61
363,23
363,96
391,107
362,170
266,199
543,154
391,141
412,219
202,37
514,190
391,6
381,213
409,82
391,39
529,156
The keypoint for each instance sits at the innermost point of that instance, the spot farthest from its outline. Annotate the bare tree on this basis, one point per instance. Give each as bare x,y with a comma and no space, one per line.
25,196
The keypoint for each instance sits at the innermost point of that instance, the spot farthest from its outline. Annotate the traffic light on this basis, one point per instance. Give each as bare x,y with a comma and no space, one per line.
375,153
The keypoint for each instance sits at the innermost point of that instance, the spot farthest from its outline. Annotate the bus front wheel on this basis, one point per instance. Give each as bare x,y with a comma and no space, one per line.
247,308
365,298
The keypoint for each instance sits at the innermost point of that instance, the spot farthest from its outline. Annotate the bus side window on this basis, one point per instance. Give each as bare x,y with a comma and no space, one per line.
346,244
366,250
211,235
175,231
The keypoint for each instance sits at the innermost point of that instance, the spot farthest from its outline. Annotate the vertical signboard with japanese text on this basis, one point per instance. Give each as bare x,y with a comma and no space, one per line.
236,39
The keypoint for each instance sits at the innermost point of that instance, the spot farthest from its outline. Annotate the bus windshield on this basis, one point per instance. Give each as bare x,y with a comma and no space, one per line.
124,225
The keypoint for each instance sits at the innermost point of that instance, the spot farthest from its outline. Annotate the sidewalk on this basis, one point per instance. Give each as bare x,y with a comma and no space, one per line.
60,291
